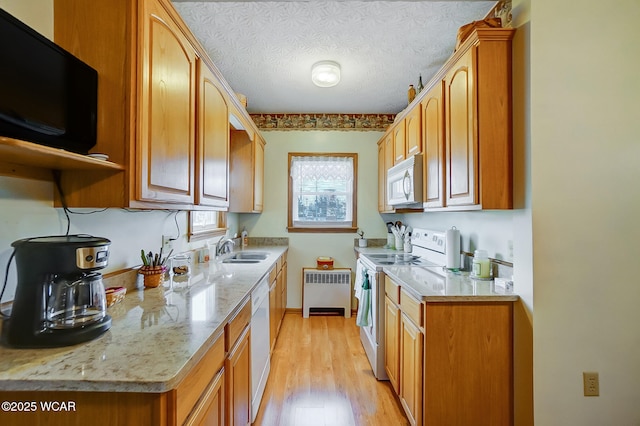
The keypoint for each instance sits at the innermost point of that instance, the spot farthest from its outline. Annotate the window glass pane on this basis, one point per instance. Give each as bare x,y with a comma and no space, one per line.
322,207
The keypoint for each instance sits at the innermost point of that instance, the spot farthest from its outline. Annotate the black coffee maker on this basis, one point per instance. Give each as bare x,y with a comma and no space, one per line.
59,297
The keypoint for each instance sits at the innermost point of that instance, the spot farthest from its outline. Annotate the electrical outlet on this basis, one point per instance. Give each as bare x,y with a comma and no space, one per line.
166,243
591,384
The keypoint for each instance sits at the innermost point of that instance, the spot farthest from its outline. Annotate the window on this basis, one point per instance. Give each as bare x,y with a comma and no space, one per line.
322,192
206,224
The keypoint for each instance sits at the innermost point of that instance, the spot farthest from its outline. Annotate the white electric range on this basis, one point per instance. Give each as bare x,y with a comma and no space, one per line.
428,252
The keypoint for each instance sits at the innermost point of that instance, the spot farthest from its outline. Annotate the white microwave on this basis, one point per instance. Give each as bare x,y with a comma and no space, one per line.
404,183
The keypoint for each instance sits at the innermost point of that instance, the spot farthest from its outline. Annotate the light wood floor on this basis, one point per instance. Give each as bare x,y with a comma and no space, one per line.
320,376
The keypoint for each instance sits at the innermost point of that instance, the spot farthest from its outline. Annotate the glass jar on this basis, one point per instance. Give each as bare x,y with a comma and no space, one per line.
180,270
481,267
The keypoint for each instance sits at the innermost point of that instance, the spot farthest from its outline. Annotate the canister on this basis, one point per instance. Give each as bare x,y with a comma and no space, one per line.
481,265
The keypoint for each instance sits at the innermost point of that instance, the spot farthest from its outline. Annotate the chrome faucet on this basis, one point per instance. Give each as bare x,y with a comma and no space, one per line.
222,246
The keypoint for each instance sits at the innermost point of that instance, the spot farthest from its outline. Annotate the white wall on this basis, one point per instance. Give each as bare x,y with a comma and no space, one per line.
303,247
38,14
585,167
26,210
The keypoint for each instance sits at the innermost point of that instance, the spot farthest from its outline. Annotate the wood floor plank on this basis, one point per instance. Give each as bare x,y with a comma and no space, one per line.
320,376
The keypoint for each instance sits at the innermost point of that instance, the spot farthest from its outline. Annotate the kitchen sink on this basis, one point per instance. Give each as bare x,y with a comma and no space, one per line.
234,260
246,257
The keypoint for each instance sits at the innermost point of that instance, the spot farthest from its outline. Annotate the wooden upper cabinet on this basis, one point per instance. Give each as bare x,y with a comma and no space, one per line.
478,116
413,133
212,177
385,162
161,116
258,179
433,136
382,174
246,168
461,137
465,127
399,142
166,149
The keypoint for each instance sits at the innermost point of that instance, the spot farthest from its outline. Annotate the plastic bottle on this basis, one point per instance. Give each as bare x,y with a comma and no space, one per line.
481,265
245,238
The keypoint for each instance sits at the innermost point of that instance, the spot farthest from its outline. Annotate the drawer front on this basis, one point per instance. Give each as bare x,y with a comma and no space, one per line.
412,308
273,273
237,324
392,290
193,386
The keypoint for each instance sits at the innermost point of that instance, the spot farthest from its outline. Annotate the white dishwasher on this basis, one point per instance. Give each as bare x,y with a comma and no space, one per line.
260,363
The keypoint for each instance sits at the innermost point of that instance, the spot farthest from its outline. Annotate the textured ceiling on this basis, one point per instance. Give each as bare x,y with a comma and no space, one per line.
265,49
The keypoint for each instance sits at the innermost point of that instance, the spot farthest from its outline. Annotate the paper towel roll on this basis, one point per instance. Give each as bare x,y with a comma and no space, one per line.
452,248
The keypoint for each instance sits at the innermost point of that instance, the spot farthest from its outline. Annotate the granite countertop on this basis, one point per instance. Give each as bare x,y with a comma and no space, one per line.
425,285
157,335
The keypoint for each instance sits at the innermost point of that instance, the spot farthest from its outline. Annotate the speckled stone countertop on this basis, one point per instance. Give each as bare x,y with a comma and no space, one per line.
425,285
157,335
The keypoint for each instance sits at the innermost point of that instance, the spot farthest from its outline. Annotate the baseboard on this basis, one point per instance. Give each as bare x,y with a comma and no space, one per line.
298,311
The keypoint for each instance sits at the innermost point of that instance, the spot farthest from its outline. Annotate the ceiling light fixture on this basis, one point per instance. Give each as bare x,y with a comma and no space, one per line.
325,73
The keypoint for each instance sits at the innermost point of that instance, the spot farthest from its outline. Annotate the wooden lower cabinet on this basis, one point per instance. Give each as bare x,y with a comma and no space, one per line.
450,363
282,280
411,363
197,400
210,410
238,366
273,316
391,343
277,298
468,364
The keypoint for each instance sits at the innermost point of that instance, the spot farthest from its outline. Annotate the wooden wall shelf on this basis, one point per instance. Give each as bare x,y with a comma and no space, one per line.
27,159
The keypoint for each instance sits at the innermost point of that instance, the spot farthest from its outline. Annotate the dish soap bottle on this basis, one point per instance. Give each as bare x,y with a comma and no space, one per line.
245,238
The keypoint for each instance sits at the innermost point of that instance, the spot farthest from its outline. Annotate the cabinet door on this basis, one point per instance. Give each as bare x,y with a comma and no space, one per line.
411,361
414,132
258,178
246,172
382,177
399,142
238,367
283,278
166,135
212,178
433,135
388,163
461,133
210,409
273,314
392,343
280,300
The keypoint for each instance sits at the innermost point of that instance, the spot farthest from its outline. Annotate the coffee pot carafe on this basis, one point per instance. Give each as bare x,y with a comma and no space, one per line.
59,297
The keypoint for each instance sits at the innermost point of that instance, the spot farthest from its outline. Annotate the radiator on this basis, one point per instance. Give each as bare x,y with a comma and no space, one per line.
326,289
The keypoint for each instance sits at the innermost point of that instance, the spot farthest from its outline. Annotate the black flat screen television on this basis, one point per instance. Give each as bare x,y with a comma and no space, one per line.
47,95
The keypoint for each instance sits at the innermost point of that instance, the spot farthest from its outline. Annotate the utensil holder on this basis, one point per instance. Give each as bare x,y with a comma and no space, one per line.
153,275
399,243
